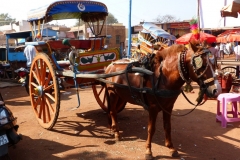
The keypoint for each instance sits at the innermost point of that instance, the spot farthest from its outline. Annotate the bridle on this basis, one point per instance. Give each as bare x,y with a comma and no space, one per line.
197,64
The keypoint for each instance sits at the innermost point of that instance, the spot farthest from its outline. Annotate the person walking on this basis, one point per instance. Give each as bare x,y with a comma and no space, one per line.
221,49
237,51
217,47
213,55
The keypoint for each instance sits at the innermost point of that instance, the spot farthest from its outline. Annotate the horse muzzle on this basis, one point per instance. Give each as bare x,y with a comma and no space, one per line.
214,90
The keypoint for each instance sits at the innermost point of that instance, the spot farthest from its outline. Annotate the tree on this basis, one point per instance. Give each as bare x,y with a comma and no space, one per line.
166,18
6,19
109,20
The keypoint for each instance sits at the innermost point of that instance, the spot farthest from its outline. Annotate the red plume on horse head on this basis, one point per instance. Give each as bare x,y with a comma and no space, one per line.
194,28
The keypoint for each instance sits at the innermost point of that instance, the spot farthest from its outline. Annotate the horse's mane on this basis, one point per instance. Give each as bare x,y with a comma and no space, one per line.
169,51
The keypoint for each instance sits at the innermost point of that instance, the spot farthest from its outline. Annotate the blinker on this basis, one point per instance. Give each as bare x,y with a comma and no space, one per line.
198,62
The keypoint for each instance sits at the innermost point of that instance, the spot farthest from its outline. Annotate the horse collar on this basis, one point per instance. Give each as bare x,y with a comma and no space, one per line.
182,66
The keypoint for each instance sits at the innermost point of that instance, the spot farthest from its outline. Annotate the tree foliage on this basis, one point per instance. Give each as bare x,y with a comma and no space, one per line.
6,19
111,19
166,18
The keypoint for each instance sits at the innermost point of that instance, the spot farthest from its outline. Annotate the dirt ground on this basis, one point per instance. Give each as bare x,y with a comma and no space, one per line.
83,134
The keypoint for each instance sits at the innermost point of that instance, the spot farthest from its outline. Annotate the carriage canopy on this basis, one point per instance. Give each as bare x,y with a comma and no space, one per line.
156,31
88,11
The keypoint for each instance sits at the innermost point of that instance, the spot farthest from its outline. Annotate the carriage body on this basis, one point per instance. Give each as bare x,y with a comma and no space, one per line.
151,38
59,66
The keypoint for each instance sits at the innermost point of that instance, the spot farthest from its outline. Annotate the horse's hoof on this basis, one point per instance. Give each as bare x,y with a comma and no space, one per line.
148,157
174,153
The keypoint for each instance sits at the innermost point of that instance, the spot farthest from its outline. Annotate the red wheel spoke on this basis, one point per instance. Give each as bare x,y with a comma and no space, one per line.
50,96
40,109
100,91
36,77
50,106
34,84
43,74
104,98
49,78
47,109
48,87
44,110
35,105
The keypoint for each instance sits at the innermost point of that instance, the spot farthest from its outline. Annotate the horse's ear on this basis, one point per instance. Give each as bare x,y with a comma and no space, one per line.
193,45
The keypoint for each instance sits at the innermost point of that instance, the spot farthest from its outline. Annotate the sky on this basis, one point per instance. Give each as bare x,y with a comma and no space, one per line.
142,10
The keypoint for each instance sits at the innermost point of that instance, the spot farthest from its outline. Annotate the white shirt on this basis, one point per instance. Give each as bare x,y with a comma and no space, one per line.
237,50
222,46
228,48
29,53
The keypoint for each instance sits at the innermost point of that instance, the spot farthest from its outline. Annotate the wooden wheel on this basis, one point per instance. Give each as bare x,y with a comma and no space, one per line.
99,92
44,91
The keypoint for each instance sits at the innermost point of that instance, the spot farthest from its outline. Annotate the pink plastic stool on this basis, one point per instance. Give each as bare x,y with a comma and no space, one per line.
225,98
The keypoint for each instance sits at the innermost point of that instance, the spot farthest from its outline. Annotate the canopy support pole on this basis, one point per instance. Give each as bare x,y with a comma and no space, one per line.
42,28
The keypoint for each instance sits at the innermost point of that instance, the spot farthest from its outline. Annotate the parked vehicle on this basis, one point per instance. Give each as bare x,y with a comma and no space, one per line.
23,75
8,129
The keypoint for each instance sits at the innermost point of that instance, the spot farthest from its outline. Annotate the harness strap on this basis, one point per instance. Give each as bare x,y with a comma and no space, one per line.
182,66
208,80
140,100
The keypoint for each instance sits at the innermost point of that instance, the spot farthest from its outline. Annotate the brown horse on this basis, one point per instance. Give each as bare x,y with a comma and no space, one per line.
171,68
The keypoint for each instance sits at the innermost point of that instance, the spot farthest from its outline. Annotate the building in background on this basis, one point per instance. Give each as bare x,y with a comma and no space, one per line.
116,33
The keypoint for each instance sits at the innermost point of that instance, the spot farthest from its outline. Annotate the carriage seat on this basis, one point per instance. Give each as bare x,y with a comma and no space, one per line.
87,45
78,44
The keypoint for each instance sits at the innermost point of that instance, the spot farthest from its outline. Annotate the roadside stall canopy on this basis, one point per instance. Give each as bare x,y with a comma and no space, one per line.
186,38
229,36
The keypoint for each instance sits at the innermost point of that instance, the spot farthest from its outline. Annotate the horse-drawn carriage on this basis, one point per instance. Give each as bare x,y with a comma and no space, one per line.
151,38
153,82
72,62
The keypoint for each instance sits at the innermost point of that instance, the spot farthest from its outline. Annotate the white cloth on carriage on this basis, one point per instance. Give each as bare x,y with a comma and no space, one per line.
29,53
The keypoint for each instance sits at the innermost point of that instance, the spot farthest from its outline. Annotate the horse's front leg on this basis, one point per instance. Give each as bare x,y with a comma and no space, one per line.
151,130
167,130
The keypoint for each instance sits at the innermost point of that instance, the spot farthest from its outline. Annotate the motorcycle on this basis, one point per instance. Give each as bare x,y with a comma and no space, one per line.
23,75
8,129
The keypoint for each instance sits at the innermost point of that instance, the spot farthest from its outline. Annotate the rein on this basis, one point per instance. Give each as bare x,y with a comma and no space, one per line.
196,62
155,92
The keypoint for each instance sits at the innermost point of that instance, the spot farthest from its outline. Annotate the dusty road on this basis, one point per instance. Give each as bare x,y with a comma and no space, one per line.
83,134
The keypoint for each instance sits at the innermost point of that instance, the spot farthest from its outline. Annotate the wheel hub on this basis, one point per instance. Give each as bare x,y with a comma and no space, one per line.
38,91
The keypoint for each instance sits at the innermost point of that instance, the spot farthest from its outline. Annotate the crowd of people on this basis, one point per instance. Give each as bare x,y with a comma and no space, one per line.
220,50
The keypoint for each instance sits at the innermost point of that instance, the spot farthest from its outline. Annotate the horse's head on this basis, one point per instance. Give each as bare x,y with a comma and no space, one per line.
201,69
